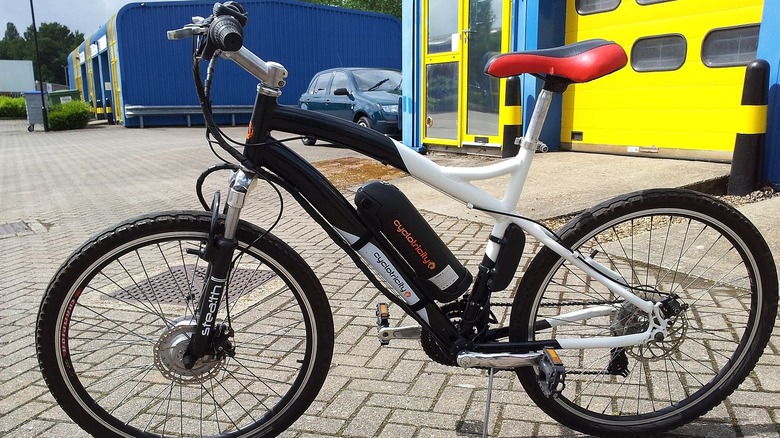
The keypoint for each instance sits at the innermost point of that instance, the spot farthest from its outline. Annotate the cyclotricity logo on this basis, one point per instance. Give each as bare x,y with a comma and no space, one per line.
400,229
392,275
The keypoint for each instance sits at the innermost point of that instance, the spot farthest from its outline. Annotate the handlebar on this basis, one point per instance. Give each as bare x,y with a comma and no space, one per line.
226,33
223,35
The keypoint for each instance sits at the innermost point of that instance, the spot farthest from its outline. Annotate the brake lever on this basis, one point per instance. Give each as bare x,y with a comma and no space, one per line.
180,34
199,26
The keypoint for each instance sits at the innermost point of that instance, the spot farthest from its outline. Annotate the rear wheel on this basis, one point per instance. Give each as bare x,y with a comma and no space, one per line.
117,317
702,258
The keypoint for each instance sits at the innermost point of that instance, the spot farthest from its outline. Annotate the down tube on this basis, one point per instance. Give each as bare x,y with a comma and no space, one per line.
338,214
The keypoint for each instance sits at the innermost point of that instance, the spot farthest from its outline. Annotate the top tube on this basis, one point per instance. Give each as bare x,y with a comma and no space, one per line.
341,132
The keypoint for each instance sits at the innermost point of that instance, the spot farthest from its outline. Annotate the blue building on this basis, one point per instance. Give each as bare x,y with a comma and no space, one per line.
129,62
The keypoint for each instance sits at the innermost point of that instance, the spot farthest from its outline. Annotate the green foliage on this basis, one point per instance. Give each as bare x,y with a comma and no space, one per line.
12,107
391,7
70,115
11,33
55,42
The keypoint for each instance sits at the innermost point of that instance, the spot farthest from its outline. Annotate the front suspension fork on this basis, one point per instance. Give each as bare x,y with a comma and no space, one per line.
218,253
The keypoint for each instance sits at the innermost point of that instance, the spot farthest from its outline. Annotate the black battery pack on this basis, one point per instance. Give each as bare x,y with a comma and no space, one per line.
386,209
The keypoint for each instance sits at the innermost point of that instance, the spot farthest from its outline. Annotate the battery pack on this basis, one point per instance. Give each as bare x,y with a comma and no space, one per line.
386,209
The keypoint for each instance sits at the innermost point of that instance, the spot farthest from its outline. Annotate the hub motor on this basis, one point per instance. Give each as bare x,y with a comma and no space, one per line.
169,351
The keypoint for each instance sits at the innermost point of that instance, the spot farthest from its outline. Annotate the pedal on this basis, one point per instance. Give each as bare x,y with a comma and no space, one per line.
385,333
382,322
551,374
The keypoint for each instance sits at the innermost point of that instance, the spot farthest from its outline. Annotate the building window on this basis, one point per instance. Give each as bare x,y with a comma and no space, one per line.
443,30
729,47
658,53
587,7
650,2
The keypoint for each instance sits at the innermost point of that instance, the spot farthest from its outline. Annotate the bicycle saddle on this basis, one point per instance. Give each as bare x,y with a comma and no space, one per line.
577,62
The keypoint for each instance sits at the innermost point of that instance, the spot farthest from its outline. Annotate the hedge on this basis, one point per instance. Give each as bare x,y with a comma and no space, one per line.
70,115
13,107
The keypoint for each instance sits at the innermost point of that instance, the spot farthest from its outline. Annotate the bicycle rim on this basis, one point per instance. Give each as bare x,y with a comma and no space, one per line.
129,313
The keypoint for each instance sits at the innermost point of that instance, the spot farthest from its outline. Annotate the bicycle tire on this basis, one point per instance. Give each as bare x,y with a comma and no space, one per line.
118,311
723,272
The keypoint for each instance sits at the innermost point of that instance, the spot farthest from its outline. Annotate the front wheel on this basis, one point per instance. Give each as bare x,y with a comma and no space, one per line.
118,315
703,259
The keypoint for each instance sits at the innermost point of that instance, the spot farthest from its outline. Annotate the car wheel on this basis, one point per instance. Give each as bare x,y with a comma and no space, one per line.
364,121
309,141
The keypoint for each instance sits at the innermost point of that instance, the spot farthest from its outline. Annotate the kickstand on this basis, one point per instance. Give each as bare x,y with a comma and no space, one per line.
491,372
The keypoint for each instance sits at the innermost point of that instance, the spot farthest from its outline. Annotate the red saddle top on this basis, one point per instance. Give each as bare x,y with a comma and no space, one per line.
578,62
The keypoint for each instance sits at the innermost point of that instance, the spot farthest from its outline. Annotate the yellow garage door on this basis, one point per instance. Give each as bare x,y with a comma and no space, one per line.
680,94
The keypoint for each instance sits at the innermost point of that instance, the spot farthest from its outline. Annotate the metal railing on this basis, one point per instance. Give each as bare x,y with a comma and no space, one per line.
142,111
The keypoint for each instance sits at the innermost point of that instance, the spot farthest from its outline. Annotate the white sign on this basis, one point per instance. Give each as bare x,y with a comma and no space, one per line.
101,43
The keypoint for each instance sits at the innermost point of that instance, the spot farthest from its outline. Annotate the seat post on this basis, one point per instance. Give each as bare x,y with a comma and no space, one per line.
531,137
525,155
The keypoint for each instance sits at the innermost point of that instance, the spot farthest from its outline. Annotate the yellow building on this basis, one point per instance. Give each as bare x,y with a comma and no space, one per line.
680,95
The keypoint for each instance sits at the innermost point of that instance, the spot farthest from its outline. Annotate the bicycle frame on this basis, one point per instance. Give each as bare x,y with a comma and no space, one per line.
127,347
339,218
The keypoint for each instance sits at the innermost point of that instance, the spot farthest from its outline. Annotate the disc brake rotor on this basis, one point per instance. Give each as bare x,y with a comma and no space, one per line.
169,351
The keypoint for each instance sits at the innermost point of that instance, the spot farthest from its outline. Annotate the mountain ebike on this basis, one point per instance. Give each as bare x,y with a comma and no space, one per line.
640,315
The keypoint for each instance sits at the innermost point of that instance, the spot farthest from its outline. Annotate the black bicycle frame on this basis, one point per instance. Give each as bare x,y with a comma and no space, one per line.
328,207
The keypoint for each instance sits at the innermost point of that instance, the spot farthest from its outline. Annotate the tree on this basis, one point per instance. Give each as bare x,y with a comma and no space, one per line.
12,46
55,42
391,7
11,34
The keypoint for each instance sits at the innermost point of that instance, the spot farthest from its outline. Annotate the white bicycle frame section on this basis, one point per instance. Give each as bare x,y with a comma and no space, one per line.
456,182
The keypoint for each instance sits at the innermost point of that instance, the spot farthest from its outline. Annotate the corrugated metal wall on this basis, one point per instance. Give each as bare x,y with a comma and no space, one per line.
304,37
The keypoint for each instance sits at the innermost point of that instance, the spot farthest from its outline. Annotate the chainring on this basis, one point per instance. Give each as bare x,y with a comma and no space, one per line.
453,311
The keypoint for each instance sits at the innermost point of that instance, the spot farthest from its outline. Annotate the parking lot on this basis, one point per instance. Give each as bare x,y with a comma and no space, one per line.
57,189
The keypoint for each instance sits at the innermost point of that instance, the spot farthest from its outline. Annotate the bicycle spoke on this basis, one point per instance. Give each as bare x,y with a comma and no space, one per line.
184,295
702,275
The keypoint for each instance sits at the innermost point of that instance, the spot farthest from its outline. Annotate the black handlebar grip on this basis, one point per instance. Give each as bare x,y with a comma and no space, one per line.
226,33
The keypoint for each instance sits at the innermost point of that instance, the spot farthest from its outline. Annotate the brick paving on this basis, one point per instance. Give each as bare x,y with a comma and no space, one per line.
57,189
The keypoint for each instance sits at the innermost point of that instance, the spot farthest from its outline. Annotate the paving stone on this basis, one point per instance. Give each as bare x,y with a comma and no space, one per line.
33,428
453,400
318,424
60,430
346,404
10,401
397,430
21,416
367,422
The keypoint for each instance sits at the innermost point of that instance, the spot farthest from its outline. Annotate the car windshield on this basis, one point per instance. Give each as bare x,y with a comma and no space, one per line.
377,80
